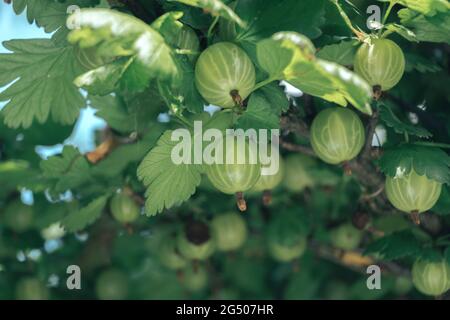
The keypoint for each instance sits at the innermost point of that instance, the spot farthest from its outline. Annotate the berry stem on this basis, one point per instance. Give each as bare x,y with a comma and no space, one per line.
388,11
263,83
377,92
360,35
267,197
240,201
129,228
347,168
415,217
211,27
236,97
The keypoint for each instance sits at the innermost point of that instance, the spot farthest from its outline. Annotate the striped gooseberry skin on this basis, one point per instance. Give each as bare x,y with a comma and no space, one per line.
337,135
380,62
412,192
229,231
221,69
234,177
431,278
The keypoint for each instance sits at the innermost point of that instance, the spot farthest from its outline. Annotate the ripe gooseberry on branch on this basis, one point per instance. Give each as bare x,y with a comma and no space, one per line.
270,182
224,75
267,182
346,237
286,238
337,135
412,193
233,177
380,62
431,277
195,242
124,209
297,176
229,231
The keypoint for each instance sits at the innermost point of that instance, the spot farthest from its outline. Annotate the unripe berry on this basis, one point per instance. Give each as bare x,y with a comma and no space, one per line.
124,209
337,135
412,192
431,278
380,62
224,71
229,231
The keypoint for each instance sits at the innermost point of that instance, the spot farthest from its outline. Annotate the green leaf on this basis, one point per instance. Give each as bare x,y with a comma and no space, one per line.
169,26
431,161
391,120
290,56
47,14
216,8
134,113
342,53
259,114
104,79
167,184
274,93
145,53
50,15
78,220
395,246
431,29
442,207
68,170
220,120
402,31
44,87
118,160
265,18
114,112
426,7
419,63
185,94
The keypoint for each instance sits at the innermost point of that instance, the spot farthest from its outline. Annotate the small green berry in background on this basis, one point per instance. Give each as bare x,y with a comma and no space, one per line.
341,119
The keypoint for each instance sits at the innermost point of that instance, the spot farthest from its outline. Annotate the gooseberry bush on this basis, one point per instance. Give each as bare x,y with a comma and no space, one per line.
361,104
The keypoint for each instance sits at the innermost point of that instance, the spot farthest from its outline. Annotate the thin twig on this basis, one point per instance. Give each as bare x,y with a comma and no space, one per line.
297,126
297,148
371,127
